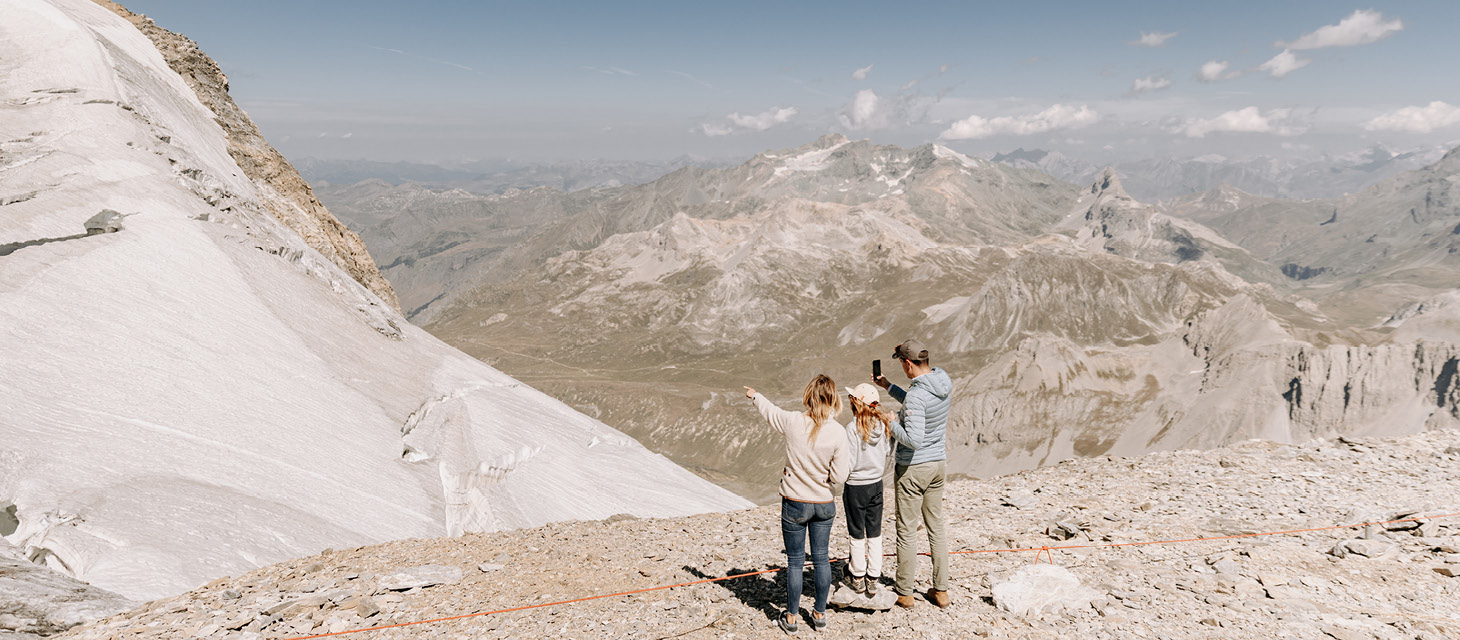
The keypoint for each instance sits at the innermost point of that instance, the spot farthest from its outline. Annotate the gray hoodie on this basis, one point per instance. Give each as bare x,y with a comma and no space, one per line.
920,428
869,459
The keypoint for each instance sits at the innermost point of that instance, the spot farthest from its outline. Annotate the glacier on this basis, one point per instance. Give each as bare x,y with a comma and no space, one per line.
200,392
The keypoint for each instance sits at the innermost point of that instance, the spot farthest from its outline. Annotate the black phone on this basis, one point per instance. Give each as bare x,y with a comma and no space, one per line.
876,368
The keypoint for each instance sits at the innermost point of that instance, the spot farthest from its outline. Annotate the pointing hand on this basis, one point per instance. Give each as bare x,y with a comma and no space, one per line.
749,393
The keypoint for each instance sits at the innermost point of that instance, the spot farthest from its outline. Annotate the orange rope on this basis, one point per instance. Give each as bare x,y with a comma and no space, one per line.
1038,551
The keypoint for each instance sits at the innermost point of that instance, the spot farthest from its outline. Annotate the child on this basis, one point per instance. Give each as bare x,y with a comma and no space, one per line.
868,439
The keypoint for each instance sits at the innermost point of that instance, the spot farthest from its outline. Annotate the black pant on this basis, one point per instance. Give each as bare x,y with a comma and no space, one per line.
863,504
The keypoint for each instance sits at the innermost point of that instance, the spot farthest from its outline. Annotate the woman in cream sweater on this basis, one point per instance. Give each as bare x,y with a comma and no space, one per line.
817,460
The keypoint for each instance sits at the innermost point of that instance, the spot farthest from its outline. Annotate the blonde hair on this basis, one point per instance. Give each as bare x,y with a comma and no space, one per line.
822,402
868,418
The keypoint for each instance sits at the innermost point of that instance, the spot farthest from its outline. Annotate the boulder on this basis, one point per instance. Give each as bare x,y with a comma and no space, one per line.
1042,587
1021,500
844,597
1363,547
108,221
420,577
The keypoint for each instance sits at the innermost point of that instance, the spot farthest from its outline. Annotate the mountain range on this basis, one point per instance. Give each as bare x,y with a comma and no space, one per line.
1297,177
1075,320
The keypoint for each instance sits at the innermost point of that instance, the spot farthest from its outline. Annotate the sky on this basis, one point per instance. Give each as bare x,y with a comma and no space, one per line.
452,81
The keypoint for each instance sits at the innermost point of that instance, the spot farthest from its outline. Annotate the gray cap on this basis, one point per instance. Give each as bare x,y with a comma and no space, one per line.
911,349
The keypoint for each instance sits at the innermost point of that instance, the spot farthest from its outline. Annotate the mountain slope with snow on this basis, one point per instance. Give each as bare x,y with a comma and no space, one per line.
202,392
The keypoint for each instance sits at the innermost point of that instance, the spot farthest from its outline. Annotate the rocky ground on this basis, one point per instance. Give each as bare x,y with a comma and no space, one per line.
1388,581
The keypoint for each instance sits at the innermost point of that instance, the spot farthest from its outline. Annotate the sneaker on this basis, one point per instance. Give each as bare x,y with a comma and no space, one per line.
818,620
872,586
786,622
859,584
939,598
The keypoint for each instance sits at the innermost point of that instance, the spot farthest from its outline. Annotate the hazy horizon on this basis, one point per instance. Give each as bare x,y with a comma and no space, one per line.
453,81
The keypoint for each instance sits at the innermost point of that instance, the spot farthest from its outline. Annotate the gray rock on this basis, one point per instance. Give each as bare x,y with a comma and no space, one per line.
1040,588
1063,530
1227,566
1364,547
488,567
844,597
107,221
1449,570
420,577
1021,500
35,596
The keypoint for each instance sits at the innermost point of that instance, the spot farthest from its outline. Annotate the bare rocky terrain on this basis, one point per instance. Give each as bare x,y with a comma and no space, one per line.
1381,581
1076,321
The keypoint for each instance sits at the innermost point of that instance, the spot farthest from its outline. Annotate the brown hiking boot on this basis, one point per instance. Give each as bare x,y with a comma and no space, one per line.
937,597
905,602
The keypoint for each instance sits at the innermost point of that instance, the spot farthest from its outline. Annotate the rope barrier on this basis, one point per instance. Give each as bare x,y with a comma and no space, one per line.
1038,551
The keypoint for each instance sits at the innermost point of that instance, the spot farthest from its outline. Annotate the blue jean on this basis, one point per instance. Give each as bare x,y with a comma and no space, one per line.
796,519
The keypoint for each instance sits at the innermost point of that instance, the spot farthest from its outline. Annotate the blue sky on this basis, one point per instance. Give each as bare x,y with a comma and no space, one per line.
449,81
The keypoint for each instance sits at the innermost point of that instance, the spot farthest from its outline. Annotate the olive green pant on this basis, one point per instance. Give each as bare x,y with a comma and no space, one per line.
919,488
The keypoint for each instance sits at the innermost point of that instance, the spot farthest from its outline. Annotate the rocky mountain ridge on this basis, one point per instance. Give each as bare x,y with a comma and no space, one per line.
1074,325
1387,581
1160,178
285,194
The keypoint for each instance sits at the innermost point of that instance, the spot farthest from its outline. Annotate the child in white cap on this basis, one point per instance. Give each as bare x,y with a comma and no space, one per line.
868,439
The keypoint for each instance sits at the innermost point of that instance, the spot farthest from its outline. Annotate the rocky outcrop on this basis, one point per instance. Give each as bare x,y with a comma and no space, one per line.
1389,581
284,193
36,601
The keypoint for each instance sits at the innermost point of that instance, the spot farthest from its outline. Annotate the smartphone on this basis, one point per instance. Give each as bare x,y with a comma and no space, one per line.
876,368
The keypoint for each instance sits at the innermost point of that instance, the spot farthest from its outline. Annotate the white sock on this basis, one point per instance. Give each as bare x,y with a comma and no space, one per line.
859,558
874,556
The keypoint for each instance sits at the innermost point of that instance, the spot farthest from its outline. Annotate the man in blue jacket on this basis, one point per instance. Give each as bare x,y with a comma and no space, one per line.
921,459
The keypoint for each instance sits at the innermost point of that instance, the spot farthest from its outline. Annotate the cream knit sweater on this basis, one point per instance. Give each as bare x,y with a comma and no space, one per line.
812,468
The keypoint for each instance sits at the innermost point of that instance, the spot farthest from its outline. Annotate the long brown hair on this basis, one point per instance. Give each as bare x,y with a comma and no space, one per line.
868,418
822,402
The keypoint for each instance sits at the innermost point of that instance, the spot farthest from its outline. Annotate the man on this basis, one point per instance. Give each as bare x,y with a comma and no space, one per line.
921,463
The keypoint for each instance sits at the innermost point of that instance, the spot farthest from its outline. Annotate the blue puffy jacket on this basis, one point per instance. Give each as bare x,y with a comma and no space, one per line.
921,426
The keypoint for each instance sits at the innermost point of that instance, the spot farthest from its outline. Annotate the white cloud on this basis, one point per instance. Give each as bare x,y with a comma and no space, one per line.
757,122
1056,117
1153,39
1363,27
715,130
1216,71
1435,115
692,78
1283,122
1149,83
861,74
862,112
942,68
426,58
611,71
1284,63
763,121
348,136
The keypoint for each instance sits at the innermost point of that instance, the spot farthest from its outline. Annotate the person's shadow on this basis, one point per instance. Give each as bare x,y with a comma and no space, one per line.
765,592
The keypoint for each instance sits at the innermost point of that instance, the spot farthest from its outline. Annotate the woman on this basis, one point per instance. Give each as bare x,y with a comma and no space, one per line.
869,435
816,461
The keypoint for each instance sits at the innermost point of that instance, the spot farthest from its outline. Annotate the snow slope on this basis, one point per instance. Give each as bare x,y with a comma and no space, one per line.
200,393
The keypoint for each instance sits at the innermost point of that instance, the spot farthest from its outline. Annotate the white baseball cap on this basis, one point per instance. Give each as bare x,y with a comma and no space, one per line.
866,393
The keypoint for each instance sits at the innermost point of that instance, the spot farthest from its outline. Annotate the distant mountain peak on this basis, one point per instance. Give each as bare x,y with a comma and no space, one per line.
1108,184
1032,156
830,140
